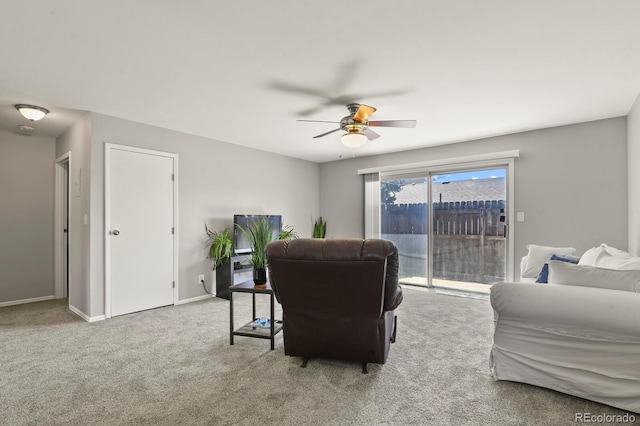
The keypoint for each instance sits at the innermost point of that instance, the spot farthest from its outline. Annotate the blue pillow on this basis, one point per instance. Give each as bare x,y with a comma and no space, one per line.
543,276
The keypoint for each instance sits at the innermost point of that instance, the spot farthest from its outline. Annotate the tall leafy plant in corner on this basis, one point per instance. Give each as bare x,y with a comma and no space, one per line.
219,246
319,228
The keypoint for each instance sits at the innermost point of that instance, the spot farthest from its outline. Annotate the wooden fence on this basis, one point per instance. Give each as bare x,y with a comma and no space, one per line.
468,239
452,218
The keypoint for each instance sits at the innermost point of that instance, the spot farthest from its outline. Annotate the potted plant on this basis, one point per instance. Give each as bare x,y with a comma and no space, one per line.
219,246
259,234
287,233
319,228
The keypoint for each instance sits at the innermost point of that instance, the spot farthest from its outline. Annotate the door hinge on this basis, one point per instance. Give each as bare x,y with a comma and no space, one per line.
174,284
173,231
173,177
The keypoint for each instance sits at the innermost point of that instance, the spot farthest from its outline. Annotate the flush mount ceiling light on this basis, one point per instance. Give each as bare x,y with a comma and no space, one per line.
32,112
353,139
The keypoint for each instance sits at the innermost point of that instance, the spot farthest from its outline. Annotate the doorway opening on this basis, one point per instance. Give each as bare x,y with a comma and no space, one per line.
61,229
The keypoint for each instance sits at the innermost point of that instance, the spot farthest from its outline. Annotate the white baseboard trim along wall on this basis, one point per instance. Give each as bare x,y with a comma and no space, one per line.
195,299
85,316
20,302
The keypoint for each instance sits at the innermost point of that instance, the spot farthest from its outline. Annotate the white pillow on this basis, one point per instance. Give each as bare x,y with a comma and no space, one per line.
620,264
591,256
522,279
616,252
608,257
538,256
588,276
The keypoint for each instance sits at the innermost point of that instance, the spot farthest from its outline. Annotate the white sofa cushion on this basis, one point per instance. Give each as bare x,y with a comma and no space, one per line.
589,276
537,257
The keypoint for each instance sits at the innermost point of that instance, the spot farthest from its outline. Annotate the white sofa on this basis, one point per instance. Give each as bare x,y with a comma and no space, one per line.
572,335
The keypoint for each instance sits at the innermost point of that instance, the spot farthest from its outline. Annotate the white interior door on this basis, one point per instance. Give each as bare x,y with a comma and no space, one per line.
140,230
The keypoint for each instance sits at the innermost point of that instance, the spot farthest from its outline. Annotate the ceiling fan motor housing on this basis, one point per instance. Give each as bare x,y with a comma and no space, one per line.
357,123
353,108
348,124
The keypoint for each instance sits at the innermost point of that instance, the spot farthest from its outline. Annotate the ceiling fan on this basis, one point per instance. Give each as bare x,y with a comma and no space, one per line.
356,125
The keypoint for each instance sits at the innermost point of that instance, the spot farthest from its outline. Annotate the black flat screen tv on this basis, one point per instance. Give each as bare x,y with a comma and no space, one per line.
240,243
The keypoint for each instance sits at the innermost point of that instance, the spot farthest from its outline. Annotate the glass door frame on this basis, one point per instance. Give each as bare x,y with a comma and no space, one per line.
428,171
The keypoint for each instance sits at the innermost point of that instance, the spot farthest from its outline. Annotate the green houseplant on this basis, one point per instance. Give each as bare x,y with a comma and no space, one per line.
319,228
219,246
259,234
287,233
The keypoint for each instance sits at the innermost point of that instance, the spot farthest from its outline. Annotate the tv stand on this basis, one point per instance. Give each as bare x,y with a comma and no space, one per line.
232,272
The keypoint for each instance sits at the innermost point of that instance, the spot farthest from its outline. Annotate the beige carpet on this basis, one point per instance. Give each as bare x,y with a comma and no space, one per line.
174,366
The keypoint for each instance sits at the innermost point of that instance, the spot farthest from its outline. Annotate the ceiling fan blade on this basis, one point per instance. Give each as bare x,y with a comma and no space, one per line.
313,110
410,124
363,113
319,121
327,133
370,134
286,87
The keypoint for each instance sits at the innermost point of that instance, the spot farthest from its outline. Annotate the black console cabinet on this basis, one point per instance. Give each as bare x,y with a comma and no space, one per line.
227,272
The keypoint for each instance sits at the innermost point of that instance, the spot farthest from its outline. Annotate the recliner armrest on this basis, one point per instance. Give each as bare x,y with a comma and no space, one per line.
394,301
392,289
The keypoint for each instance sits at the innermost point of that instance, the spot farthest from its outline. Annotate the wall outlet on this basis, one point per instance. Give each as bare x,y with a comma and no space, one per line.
200,279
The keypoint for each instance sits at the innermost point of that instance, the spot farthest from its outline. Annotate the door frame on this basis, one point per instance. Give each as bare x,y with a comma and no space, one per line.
108,148
61,221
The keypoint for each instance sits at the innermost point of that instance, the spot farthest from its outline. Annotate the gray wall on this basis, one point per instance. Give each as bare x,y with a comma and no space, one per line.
216,180
26,216
570,181
77,140
633,163
633,159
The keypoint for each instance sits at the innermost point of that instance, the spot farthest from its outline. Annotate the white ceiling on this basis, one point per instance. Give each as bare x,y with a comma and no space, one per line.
231,70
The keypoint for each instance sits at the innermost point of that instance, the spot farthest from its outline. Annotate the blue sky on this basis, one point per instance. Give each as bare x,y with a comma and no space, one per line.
477,174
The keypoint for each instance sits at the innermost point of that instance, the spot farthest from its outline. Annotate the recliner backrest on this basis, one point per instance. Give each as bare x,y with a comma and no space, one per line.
359,270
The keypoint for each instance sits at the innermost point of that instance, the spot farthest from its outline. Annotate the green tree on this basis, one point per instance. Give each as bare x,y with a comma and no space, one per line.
389,189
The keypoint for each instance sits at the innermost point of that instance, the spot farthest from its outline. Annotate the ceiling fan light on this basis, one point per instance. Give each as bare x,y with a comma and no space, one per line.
32,112
353,140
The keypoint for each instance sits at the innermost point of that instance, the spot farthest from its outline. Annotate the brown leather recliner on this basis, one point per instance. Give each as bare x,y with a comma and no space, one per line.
338,297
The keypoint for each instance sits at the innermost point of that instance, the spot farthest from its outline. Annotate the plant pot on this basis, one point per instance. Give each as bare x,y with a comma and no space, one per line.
259,276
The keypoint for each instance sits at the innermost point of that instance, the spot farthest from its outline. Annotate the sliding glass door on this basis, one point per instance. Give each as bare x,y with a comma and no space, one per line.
404,220
450,227
468,213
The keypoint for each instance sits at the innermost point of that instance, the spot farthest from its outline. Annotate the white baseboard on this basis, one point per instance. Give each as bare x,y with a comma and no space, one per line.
195,299
86,317
20,302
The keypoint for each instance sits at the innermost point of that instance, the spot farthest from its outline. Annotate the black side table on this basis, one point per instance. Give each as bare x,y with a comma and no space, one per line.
250,329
